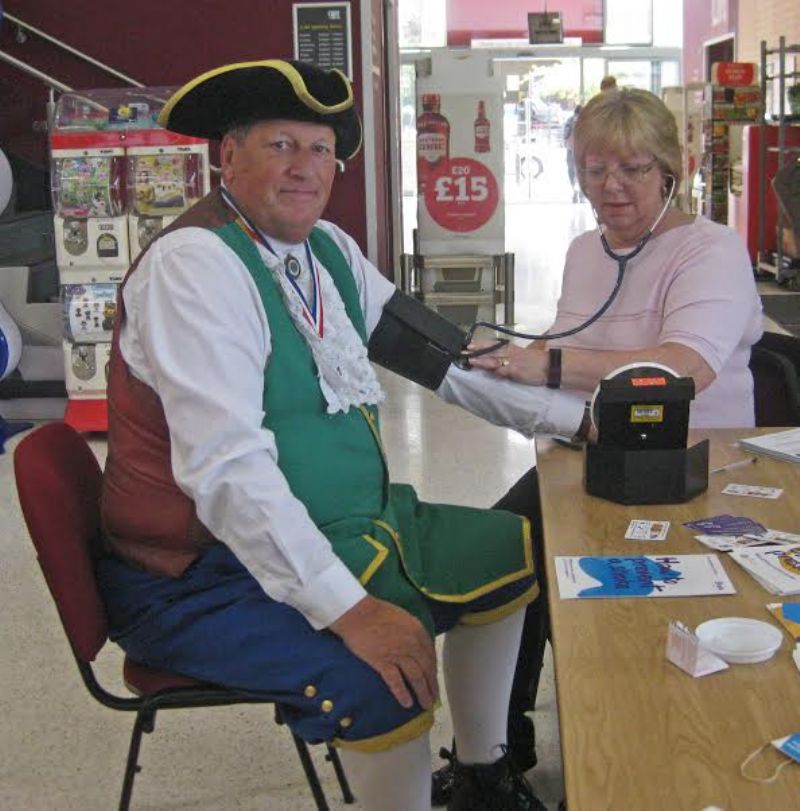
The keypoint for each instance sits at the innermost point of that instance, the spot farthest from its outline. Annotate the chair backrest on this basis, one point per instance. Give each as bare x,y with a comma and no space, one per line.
786,345
58,483
776,387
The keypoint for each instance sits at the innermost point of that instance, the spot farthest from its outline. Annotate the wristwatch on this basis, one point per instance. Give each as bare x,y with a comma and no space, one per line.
554,368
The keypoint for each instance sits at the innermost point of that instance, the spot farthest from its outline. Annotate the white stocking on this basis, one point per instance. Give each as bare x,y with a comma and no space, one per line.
479,663
396,779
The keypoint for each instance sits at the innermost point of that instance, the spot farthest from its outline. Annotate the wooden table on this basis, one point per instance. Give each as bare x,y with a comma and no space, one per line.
637,732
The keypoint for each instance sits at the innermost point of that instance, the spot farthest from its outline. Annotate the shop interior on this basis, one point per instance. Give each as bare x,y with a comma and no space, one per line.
61,749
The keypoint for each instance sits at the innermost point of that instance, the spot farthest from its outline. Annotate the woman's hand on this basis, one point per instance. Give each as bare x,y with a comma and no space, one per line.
524,364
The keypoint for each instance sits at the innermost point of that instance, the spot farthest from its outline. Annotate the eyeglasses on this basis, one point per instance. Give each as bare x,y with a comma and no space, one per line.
626,174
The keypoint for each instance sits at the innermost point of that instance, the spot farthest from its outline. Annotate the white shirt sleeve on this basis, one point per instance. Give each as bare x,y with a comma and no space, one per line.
526,409
197,333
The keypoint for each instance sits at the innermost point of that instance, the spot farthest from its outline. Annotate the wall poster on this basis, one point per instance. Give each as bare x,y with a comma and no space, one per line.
460,157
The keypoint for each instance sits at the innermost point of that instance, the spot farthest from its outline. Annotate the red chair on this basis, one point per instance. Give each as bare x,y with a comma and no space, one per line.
58,482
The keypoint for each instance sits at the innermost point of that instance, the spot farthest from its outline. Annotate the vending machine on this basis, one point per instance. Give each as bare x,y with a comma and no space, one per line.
117,180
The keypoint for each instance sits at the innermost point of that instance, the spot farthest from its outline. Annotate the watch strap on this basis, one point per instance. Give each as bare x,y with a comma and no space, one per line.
554,368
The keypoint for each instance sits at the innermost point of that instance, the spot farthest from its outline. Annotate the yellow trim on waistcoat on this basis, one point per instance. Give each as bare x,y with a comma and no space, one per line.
370,418
383,551
407,732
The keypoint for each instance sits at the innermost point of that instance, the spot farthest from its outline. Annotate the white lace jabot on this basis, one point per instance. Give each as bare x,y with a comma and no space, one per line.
346,376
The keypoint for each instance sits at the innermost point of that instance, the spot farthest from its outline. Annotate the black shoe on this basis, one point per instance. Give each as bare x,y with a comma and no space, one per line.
443,780
521,750
497,786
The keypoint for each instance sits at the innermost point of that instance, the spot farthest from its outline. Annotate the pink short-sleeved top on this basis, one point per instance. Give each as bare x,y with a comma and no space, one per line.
691,285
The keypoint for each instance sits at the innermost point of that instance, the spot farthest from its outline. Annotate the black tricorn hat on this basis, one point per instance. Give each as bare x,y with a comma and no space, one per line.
244,93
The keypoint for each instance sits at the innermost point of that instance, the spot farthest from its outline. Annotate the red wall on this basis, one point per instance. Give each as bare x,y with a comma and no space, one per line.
702,22
157,43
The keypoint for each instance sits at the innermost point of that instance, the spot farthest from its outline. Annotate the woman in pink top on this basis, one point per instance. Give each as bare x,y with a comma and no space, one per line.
687,299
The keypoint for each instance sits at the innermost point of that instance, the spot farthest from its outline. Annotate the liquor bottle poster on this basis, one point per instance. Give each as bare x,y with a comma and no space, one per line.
460,157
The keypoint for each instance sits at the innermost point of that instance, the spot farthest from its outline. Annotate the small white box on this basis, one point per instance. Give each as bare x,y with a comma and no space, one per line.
86,370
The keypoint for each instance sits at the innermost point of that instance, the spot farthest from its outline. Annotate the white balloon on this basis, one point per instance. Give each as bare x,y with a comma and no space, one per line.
10,343
6,181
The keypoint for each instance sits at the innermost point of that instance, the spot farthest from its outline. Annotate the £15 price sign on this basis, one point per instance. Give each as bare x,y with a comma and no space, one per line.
461,195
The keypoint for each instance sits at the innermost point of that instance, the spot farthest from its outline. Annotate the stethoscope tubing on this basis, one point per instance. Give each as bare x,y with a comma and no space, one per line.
622,262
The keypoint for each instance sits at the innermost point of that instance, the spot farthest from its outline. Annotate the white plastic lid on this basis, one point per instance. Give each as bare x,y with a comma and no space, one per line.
740,640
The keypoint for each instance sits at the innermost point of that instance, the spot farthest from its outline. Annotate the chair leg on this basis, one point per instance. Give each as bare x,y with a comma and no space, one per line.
333,757
311,773
145,722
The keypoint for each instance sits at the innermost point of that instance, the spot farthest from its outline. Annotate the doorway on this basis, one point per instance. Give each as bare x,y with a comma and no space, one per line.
543,212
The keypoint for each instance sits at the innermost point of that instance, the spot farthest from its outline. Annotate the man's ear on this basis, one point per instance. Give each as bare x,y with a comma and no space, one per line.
226,149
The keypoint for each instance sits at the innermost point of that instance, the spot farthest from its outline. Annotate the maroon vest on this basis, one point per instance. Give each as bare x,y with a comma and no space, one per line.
147,520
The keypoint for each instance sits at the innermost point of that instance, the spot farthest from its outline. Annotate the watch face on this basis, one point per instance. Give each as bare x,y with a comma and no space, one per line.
84,361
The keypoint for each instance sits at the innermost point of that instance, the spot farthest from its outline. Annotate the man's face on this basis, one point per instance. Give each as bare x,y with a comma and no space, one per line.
281,174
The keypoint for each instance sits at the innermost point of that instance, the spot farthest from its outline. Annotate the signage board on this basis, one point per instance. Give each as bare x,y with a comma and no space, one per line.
323,35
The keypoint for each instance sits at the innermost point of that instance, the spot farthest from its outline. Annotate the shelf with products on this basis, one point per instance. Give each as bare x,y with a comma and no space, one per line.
726,110
779,155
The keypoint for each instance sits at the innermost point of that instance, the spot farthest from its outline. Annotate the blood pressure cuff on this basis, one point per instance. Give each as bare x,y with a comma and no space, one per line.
415,342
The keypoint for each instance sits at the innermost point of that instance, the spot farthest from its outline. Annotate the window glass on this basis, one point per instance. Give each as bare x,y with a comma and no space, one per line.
632,72
422,23
668,23
629,22
670,74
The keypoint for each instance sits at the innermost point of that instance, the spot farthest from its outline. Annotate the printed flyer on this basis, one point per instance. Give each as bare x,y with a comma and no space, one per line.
641,576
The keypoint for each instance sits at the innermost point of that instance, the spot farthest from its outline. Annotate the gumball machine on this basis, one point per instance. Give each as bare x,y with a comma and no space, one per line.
118,179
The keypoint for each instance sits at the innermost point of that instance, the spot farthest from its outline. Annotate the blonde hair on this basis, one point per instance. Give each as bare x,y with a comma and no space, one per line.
629,120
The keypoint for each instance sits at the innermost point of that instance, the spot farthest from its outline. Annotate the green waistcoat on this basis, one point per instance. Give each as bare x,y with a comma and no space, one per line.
398,547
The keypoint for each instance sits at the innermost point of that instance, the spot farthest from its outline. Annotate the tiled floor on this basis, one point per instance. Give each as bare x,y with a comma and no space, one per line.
61,750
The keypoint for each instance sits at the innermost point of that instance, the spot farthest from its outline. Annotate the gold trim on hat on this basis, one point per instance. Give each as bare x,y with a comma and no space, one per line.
289,72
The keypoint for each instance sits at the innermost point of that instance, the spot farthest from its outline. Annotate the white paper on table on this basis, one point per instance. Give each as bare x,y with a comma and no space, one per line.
752,491
640,529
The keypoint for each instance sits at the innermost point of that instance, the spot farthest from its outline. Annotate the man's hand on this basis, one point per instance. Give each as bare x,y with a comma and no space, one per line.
395,643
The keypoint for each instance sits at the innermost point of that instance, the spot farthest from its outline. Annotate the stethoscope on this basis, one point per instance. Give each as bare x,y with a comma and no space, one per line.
622,263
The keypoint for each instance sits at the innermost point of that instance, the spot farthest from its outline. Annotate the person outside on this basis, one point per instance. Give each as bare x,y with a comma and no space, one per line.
688,300
608,83
253,537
